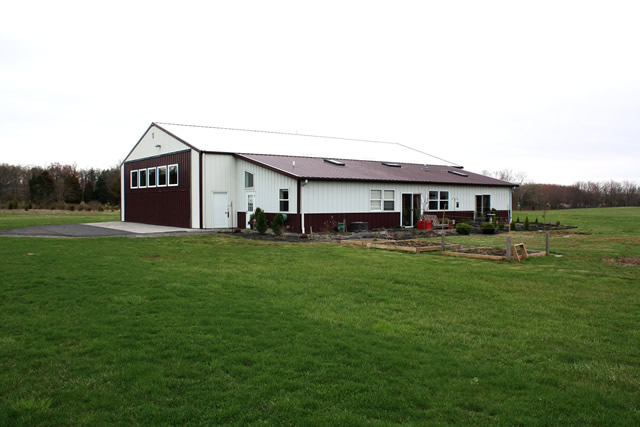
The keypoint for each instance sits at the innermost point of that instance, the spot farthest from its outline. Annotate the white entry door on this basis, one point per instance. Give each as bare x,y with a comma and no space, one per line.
220,210
251,207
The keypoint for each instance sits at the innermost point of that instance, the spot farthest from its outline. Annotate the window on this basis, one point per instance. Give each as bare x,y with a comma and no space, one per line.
433,200
376,200
248,180
444,200
389,199
438,200
284,200
250,202
173,175
142,178
483,205
151,177
162,176
379,203
134,179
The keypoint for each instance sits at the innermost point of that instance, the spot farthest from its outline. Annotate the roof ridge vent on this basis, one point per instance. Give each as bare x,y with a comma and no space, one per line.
334,162
392,165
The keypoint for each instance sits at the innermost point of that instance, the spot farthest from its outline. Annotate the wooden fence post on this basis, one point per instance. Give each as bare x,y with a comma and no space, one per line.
509,248
442,242
547,243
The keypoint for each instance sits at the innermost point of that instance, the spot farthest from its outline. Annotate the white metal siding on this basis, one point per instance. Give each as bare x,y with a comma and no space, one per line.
267,186
195,189
352,197
147,145
219,177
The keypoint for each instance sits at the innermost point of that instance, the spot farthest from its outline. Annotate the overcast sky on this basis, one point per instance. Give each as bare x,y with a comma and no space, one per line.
551,89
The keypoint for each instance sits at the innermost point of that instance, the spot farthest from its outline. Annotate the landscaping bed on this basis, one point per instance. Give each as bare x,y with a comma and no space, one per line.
413,246
489,253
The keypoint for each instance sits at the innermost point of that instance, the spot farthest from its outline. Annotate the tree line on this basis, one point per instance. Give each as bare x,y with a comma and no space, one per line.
58,186
582,194
579,195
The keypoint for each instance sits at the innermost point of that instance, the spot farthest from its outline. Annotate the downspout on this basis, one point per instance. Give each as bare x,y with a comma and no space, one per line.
201,196
300,185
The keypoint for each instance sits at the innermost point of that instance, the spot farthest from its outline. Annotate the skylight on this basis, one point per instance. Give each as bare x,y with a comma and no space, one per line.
392,165
458,173
334,162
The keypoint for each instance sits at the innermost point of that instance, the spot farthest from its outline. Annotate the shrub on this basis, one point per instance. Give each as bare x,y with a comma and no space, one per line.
536,221
261,221
277,225
518,220
557,223
488,228
526,223
463,228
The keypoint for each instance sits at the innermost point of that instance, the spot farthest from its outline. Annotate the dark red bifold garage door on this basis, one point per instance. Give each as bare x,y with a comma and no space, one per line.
158,190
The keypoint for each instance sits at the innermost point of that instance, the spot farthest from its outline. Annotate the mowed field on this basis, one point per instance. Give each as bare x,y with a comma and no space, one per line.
10,219
218,329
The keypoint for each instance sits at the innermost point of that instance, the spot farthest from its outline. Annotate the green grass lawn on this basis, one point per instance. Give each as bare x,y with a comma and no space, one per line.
607,221
10,219
213,329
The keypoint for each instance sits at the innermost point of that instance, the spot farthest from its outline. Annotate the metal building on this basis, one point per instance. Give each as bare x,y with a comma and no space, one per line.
207,177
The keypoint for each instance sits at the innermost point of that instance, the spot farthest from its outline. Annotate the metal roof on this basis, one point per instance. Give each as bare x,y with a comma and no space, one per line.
367,170
363,160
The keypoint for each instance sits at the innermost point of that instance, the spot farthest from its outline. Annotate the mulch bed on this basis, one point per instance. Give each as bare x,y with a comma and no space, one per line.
482,251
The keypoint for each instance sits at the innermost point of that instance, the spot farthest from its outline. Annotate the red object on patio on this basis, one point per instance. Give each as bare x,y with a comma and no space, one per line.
429,225
422,225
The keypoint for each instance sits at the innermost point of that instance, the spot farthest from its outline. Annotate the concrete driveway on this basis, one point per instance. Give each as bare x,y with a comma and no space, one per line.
101,229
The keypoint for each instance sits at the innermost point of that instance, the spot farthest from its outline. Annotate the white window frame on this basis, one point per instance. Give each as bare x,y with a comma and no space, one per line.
133,183
392,200
251,205
155,178
141,173
166,176
439,200
169,175
283,200
443,200
246,175
432,200
381,201
373,199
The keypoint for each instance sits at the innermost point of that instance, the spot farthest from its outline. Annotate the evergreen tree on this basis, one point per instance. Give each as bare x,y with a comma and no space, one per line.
87,194
261,221
277,225
42,188
72,191
102,190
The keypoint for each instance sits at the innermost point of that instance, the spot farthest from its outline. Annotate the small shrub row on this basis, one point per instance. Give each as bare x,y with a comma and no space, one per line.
488,228
463,228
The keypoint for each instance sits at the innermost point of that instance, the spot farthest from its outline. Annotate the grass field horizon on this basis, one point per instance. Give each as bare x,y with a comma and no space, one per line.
217,329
